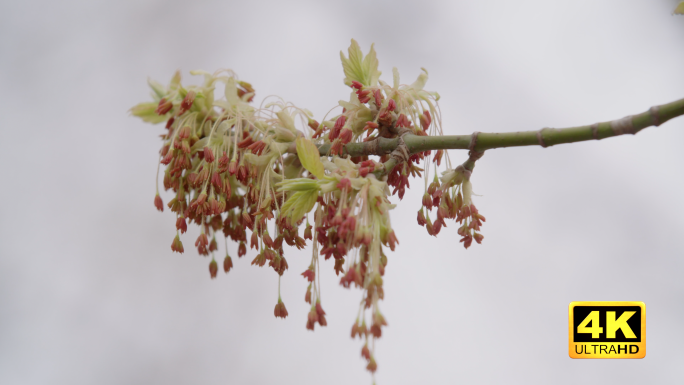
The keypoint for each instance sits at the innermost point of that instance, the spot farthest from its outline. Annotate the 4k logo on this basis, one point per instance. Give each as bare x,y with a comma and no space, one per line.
607,330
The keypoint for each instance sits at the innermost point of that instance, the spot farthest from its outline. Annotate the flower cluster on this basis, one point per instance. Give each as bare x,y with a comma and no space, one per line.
452,199
259,174
351,226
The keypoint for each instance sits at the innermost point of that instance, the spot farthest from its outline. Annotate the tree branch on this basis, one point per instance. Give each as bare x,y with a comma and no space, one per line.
546,137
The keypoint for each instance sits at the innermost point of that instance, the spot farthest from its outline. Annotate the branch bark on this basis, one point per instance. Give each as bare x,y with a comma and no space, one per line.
546,137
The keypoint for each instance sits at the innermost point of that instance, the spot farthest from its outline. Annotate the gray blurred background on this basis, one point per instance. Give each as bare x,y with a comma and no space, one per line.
90,292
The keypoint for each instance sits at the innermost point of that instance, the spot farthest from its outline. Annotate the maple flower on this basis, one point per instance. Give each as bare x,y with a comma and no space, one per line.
158,203
309,274
177,245
280,311
365,352
227,263
372,365
213,268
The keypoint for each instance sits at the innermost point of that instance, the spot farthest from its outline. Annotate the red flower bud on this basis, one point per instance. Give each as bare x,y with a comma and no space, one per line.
186,103
158,203
208,155
259,260
245,142
223,161
319,309
344,184
307,232
309,274
185,146
365,353
233,167
177,245
437,226
391,105
163,107
421,217
339,123
307,297
336,148
181,225
355,330
167,159
478,237
227,264
369,128
247,219
202,240
425,120
364,96
280,310
392,240
402,121
438,157
346,136
378,98
213,268
372,366
254,241
467,240
184,133
436,197
257,147
312,316
427,201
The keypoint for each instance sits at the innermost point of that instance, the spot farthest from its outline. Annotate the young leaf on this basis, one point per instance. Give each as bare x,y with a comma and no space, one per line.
146,111
298,184
300,203
175,81
362,69
310,158
158,89
680,9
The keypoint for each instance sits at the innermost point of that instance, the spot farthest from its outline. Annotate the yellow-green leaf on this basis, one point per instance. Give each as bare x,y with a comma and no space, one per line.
298,184
158,89
680,9
146,112
357,67
310,158
175,81
299,203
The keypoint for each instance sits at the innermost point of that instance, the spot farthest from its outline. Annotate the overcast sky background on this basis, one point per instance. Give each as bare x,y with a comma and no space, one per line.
90,292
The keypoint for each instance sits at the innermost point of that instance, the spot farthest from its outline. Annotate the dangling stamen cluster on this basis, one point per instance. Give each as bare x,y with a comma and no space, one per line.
452,199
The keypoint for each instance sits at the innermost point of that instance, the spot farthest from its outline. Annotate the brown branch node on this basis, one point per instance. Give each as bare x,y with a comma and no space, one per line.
655,115
475,155
473,140
540,138
372,147
401,153
623,126
594,131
